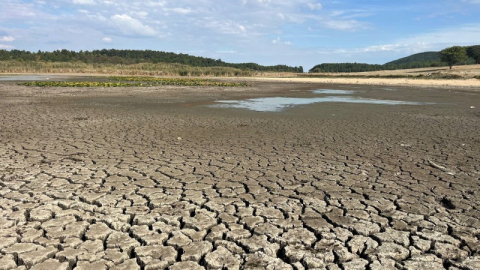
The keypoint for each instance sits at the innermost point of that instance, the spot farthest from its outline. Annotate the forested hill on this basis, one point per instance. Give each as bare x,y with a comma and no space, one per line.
419,60
429,57
134,57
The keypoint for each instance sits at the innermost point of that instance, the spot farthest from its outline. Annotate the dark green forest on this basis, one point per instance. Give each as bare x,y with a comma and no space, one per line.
128,57
419,60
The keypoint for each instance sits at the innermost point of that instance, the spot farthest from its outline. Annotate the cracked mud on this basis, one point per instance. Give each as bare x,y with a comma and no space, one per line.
156,179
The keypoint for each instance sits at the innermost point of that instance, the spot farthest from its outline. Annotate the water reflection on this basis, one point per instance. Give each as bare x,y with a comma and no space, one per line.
333,92
275,104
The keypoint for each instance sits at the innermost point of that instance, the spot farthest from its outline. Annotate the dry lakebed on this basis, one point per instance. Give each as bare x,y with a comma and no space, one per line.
276,175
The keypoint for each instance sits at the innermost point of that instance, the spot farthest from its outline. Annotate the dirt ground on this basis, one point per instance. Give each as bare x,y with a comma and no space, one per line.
153,178
469,71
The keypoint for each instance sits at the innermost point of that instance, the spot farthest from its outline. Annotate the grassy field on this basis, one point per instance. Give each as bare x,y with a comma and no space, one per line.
129,81
143,69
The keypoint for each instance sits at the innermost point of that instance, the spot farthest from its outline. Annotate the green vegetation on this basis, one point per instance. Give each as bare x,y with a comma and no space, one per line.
419,60
142,82
80,84
453,55
474,53
176,81
431,76
142,69
425,59
344,67
130,57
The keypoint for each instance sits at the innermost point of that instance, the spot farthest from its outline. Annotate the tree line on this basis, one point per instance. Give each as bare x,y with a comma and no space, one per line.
447,57
129,57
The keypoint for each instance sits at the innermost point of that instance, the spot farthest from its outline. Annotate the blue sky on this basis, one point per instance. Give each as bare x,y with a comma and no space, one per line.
293,32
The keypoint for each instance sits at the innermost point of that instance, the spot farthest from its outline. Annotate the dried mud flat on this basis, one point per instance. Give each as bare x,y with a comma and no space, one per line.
151,178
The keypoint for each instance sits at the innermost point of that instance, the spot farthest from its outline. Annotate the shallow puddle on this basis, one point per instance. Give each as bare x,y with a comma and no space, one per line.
29,78
275,104
333,92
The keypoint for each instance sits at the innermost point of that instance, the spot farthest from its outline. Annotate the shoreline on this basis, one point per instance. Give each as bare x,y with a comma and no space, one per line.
409,82
438,83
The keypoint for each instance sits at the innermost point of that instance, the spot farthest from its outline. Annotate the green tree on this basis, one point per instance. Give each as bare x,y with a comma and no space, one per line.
474,52
454,55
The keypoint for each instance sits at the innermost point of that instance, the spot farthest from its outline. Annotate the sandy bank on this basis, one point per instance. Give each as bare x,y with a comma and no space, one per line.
379,81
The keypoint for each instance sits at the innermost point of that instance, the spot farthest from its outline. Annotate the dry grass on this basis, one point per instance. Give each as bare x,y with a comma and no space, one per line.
143,69
458,72
458,77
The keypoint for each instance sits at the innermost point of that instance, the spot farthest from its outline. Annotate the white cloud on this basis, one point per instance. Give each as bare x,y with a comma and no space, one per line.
141,14
131,26
155,3
461,35
437,40
182,10
107,39
84,2
242,28
7,39
344,25
314,6
279,41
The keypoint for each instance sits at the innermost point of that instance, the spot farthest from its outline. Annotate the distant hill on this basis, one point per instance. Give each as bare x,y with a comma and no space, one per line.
129,57
419,60
418,57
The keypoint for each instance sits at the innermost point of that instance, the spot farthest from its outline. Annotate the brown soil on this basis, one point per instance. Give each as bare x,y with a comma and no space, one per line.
150,178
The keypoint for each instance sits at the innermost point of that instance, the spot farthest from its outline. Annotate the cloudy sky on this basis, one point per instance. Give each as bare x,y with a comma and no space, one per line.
293,32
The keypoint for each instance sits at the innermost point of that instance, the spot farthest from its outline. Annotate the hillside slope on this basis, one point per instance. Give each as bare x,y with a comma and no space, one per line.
418,60
418,57
129,57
